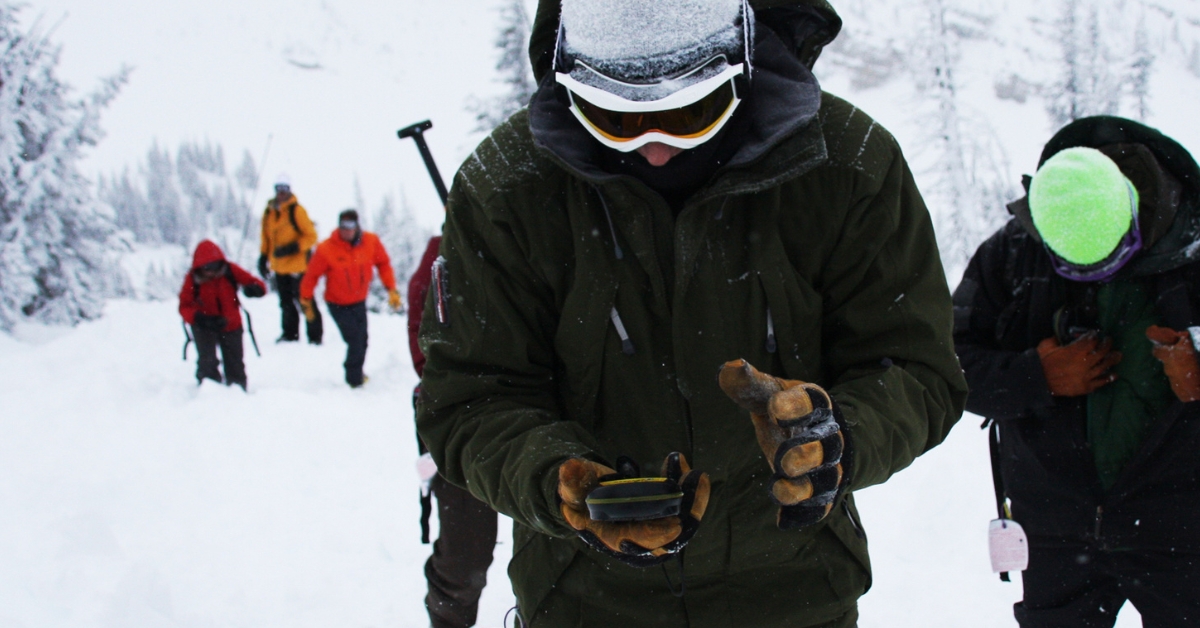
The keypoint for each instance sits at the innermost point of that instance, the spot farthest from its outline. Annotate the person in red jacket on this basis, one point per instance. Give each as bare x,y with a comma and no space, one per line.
209,303
457,569
346,261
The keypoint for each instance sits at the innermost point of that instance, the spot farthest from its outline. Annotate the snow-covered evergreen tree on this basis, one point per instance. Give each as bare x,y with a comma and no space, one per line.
185,199
55,236
512,67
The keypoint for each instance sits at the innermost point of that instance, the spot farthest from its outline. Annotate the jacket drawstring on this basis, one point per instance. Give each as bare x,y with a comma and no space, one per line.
626,343
613,230
771,346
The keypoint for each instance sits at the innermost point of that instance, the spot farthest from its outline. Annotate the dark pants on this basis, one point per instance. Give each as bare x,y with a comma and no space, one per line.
231,354
288,287
352,322
462,553
1073,585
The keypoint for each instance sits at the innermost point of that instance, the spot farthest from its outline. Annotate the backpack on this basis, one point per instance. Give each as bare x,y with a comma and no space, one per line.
291,215
228,277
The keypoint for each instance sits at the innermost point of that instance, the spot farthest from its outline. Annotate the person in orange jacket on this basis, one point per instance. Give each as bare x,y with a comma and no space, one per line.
209,303
346,260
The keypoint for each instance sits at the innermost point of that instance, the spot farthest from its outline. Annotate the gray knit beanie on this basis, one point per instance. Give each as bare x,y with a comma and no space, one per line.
649,43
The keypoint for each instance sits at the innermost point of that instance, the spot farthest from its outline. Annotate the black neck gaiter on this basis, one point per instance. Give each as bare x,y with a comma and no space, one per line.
687,172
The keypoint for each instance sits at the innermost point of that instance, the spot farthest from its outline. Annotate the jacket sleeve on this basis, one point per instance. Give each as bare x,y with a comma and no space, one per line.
244,278
308,233
317,267
488,411
1005,384
383,265
264,247
888,327
187,301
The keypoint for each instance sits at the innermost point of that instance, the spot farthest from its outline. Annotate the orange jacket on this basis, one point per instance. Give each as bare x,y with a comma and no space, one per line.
347,269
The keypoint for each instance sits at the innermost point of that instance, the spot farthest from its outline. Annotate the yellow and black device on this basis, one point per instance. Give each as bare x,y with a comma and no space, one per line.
634,499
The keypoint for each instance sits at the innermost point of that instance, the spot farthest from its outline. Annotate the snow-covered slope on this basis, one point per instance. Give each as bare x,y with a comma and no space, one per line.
132,498
128,497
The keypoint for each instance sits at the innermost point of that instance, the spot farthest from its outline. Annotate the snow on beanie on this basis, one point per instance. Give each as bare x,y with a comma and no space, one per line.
642,42
1082,205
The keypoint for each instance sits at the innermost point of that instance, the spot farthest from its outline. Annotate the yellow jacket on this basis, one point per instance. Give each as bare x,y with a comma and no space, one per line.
283,225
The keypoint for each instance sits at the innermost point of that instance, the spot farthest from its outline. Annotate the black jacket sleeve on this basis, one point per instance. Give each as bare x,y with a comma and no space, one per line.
1006,382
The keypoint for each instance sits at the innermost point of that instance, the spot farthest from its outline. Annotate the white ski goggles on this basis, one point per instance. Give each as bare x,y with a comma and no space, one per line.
685,119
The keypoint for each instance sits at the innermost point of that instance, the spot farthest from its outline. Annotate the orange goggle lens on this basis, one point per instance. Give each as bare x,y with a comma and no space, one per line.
690,121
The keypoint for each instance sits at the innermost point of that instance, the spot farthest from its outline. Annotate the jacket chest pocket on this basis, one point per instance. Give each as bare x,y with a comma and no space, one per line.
790,326
579,342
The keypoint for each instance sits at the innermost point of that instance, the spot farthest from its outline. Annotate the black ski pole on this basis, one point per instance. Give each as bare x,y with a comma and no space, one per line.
417,132
186,342
250,325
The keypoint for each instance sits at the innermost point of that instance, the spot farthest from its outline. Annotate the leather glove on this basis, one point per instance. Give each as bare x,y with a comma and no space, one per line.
636,543
287,249
394,300
1080,368
1178,356
263,269
210,322
798,429
310,309
253,290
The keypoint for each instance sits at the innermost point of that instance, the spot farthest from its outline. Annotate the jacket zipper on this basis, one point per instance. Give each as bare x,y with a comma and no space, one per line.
626,343
771,345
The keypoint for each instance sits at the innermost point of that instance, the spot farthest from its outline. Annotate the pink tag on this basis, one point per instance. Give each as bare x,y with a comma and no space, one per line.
1008,546
426,467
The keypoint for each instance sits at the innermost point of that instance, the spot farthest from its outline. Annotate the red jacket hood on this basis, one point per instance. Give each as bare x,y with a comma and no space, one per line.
206,253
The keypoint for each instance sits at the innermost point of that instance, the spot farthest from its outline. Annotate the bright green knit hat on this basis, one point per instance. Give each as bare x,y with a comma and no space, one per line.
1082,205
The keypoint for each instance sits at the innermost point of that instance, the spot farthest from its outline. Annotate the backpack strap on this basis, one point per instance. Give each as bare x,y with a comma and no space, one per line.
292,217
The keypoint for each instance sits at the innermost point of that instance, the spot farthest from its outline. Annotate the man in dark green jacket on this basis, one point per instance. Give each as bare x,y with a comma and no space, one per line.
598,268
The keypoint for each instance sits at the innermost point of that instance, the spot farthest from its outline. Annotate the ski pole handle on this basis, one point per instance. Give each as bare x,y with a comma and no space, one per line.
417,133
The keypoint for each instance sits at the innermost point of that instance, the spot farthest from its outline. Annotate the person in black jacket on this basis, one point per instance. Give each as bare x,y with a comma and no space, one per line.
1074,326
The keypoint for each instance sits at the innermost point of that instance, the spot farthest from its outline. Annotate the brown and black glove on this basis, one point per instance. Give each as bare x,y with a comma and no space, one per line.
799,430
1178,356
637,543
1080,368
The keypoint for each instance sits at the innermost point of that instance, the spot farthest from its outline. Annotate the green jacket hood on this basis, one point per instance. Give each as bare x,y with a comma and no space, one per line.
1171,215
806,26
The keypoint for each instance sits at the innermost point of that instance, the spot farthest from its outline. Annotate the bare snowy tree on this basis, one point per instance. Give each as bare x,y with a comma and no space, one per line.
1086,85
55,237
1140,70
969,170
512,67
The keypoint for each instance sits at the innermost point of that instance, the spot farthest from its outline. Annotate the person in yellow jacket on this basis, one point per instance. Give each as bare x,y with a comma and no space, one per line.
288,238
